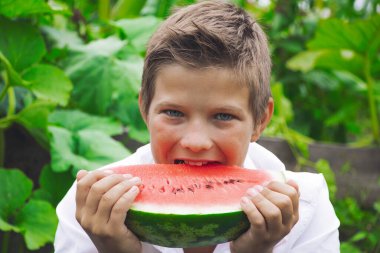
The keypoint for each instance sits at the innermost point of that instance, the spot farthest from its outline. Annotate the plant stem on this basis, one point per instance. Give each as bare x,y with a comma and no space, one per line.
11,102
6,87
371,101
5,242
104,9
2,147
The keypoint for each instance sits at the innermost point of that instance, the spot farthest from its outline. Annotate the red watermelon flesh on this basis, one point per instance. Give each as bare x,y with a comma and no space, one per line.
187,206
194,189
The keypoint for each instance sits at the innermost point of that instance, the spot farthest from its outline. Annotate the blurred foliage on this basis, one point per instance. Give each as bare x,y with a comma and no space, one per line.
70,72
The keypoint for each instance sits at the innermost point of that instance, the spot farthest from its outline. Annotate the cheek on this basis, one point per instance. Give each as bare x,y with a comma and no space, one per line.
235,146
162,140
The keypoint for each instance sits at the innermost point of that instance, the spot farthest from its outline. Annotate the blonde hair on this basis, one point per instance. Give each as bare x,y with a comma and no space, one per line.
211,34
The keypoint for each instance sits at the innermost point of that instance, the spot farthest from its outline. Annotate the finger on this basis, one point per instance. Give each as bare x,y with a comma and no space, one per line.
81,174
296,196
271,213
121,207
98,191
289,189
84,185
109,199
276,195
254,216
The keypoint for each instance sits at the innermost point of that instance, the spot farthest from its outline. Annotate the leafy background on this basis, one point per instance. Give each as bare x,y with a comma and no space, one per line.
69,78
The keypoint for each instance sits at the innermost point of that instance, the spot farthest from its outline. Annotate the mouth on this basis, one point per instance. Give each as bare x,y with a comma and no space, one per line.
195,163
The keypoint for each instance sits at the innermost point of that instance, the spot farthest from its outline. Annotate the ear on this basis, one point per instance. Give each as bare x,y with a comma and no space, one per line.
143,114
264,121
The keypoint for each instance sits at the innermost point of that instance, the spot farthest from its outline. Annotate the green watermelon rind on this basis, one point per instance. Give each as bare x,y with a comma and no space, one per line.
182,229
186,231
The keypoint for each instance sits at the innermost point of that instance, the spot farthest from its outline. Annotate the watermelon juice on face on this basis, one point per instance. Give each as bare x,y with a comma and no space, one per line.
200,117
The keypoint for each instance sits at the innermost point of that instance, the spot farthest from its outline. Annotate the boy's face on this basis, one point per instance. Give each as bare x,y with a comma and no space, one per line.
199,117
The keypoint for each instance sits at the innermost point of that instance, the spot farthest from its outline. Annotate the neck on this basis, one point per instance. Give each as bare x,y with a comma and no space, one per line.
206,249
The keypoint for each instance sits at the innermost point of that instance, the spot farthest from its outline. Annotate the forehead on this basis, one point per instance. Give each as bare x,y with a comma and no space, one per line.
205,86
212,78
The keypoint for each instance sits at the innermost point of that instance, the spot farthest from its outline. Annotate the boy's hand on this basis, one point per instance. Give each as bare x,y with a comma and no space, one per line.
102,200
272,211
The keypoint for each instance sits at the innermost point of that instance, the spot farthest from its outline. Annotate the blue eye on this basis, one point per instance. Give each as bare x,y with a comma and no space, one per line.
173,113
224,116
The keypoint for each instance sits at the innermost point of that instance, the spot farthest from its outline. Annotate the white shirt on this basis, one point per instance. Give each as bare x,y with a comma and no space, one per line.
316,230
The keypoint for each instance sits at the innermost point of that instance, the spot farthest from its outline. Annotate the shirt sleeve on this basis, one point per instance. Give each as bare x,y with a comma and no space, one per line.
317,228
70,236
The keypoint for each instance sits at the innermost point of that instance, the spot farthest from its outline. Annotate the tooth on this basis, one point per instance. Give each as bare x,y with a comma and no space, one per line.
195,163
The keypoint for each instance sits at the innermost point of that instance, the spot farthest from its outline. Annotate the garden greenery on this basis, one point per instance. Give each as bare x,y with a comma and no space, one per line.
70,73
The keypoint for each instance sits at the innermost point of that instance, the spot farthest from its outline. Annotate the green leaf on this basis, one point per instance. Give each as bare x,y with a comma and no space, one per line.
127,8
139,134
127,110
105,47
359,236
75,121
14,78
340,45
299,140
376,206
359,36
62,38
49,83
23,44
348,247
38,223
159,8
284,109
17,8
34,118
138,30
99,149
53,185
61,146
304,61
99,77
88,149
341,60
14,191
327,59
356,83
343,115
5,226
323,166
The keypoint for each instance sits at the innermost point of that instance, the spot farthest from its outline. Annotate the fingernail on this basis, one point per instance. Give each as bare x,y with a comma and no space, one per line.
128,176
80,172
134,189
135,180
252,192
258,188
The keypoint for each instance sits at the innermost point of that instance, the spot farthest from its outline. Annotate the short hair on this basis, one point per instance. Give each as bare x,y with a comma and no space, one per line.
211,34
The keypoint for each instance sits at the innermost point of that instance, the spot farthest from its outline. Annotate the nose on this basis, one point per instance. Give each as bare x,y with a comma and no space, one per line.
196,139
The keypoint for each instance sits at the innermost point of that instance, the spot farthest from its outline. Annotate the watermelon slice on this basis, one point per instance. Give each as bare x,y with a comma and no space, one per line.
190,206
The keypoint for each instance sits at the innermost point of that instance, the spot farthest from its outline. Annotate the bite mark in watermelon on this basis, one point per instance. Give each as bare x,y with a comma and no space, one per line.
190,206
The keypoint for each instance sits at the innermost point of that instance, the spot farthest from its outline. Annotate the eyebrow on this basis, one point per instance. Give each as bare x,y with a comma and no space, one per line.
224,108
169,104
228,108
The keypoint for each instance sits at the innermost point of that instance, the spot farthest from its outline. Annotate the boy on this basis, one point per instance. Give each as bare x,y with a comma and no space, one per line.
205,98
